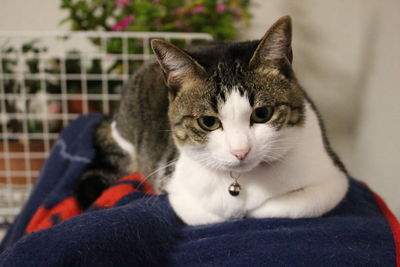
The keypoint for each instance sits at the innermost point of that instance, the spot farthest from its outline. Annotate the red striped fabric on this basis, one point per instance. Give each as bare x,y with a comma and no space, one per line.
68,208
393,222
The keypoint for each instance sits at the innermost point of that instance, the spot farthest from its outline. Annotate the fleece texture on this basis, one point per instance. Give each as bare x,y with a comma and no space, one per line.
129,226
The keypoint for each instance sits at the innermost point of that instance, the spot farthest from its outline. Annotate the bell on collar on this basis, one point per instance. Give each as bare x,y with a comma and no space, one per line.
234,189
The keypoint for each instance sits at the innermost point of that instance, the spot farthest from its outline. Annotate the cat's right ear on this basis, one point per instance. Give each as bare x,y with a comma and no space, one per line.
274,48
176,64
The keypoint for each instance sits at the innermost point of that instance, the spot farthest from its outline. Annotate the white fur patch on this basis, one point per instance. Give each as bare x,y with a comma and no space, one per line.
122,142
235,117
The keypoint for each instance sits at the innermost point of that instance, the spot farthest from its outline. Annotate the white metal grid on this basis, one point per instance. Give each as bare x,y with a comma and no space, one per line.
49,78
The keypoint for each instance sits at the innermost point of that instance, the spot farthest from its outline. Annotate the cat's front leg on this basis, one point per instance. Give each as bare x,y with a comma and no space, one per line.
191,212
310,201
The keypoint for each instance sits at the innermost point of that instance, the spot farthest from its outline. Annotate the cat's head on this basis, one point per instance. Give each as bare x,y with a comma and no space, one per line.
234,106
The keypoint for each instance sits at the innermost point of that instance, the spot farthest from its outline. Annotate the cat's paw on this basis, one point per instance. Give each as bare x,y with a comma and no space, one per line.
191,212
308,202
281,207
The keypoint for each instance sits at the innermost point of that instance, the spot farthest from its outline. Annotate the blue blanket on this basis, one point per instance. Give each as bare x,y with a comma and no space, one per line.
143,230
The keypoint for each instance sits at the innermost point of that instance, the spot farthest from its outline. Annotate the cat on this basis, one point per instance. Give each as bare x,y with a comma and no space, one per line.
226,131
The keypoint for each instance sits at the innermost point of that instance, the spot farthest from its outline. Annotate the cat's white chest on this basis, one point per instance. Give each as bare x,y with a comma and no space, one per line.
200,196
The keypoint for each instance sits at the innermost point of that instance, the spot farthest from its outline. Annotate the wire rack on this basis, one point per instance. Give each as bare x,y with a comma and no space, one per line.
46,80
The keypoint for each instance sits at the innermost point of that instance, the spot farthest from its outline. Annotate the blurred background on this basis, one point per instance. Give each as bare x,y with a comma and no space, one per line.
346,55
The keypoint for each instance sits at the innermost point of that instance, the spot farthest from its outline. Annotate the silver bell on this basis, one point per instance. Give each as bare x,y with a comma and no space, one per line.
234,189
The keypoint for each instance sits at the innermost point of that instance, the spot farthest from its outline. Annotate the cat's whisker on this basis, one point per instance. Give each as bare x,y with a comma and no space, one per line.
281,143
274,156
170,163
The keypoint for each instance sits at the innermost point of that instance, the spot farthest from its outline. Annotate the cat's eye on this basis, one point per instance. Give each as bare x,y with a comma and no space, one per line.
262,114
209,123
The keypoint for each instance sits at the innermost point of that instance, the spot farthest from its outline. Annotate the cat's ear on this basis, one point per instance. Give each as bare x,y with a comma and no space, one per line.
176,64
275,47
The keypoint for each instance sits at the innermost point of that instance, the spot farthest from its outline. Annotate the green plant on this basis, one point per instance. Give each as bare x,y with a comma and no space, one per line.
219,18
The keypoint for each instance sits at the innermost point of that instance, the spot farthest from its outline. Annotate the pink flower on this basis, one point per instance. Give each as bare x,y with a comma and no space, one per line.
198,9
157,21
123,24
220,8
180,10
122,3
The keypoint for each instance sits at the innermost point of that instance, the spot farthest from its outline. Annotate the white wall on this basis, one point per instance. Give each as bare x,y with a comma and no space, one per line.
346,55
377,147
31,15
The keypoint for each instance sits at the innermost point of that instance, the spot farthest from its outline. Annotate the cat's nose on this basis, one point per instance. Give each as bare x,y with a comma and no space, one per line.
240,153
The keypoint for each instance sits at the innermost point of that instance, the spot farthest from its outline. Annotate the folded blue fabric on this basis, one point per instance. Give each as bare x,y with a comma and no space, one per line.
144,231
68,159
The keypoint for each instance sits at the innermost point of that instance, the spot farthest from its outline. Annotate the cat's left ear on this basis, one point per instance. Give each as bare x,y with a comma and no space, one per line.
275,47
176,64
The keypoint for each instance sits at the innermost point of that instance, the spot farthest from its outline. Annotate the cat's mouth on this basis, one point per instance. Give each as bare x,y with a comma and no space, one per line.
221,162
241,166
